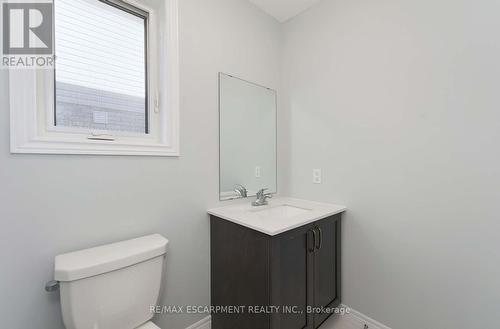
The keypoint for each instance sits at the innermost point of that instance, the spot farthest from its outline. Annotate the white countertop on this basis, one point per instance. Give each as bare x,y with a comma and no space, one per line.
281,215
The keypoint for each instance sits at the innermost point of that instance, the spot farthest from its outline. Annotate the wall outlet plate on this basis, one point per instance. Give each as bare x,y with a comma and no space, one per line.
317,176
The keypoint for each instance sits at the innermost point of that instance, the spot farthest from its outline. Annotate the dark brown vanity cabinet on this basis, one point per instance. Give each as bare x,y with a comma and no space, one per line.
287,281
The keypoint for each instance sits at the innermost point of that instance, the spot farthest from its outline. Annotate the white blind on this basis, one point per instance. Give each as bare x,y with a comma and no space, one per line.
99,46
100,65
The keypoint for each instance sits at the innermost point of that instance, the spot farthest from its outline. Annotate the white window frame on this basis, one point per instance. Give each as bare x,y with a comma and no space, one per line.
31,94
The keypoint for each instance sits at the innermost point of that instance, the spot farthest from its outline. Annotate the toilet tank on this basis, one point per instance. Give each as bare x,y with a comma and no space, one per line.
111,286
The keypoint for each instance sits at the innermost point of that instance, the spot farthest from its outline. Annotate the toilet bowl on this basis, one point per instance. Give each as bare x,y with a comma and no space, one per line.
112,286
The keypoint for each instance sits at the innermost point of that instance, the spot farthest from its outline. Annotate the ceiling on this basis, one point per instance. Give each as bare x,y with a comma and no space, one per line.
283,10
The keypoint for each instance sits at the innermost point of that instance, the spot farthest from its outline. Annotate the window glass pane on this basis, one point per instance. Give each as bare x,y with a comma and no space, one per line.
100,67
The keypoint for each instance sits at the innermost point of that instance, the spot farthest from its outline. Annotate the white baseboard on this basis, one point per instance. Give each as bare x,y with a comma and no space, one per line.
202,324
351,320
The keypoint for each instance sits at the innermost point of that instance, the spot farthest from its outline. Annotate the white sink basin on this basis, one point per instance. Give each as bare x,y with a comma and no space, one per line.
281,215
279,211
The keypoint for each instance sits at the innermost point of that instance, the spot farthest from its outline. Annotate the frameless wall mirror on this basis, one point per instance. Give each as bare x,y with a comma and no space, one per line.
247,138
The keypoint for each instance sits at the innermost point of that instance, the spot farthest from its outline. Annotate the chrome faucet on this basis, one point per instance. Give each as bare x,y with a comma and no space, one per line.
241,190
262,197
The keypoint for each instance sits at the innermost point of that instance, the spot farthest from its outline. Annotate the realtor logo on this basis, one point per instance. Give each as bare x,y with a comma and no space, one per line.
27,28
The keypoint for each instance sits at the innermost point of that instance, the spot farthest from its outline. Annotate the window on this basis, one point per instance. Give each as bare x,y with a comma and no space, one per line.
100,70
113,88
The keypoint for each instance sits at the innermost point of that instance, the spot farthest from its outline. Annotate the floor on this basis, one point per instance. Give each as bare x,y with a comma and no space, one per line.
335,322
351,321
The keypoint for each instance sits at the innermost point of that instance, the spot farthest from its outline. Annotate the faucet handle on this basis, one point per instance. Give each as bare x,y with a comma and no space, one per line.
262,197
261,193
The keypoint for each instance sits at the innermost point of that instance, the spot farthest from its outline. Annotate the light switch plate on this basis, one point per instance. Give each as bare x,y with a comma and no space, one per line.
317,176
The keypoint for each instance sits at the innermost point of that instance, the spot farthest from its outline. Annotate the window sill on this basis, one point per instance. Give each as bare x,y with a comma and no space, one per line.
47,146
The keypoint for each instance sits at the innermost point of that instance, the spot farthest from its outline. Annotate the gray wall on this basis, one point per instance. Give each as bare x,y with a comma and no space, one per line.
398,102
55,204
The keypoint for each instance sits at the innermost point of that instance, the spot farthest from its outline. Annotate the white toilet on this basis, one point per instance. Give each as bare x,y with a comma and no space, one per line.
112,286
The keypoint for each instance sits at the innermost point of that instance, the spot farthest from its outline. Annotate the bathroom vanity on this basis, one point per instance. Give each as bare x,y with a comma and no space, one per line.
275,267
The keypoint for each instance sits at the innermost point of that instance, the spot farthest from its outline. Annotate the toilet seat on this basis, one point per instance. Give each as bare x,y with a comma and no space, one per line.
148,325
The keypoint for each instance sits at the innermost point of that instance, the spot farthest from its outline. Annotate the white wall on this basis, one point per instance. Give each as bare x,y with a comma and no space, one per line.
398,102
55,204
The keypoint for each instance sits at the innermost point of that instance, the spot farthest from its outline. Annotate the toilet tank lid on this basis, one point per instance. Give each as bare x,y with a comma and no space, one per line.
94,261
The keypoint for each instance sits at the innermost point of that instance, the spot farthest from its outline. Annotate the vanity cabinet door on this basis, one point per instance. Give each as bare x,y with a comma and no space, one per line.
239,274
326,267
292,278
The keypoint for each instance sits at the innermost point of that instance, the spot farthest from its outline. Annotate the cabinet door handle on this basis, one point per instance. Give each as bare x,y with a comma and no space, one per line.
320,238
313,248
317,242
